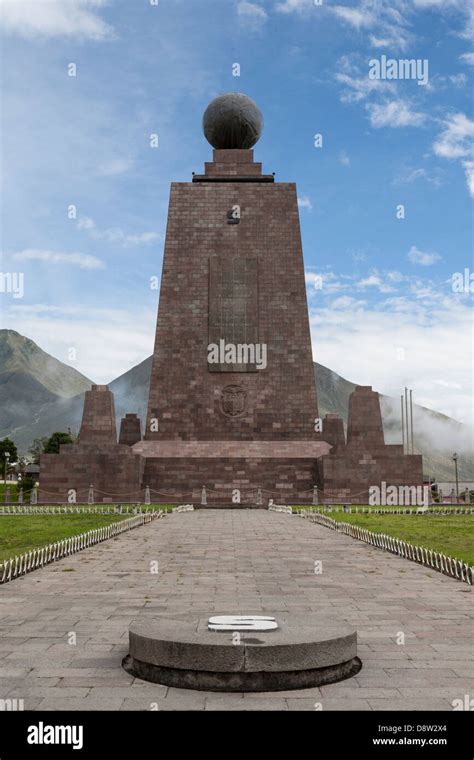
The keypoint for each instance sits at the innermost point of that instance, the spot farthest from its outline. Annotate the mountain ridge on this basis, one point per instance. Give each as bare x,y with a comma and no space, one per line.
30,409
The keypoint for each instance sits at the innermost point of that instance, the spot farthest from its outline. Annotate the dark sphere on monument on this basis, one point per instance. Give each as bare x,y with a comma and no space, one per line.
232,121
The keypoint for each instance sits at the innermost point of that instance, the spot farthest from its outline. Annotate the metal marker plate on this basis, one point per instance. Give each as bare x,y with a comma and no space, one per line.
242,623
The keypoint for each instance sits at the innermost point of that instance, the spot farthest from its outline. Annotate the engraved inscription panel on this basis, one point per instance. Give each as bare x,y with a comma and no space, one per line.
233,312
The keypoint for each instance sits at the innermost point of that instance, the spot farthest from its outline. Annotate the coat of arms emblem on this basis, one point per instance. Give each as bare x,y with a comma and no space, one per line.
233,400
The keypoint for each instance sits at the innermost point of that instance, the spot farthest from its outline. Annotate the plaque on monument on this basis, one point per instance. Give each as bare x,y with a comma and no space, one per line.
233,314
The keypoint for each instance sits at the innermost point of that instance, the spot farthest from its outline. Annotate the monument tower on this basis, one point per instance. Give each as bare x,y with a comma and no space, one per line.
232,397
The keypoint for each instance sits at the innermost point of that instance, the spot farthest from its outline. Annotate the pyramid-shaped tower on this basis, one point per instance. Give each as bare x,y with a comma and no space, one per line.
232,401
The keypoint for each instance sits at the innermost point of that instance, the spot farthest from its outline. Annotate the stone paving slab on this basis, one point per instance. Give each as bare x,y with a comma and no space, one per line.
236,561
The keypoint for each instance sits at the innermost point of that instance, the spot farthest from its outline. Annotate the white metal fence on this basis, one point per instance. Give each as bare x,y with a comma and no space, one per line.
108,509
421,510
455,568
36,558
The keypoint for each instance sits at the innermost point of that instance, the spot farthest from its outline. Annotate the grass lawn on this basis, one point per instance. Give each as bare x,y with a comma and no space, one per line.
12,487
453,536
20,534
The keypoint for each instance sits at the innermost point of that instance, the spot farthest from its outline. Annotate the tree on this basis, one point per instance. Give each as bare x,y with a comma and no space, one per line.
27,484
37,448
54,442
8,445
21,466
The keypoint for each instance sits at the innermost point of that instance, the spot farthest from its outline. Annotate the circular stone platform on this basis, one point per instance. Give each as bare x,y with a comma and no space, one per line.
304,651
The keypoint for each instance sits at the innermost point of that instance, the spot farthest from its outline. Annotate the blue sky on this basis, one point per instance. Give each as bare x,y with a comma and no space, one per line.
382,307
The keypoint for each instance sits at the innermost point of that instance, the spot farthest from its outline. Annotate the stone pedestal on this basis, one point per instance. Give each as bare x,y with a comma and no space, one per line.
303,652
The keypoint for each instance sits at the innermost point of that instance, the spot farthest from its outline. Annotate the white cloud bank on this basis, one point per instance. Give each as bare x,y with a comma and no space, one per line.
422,257
305,202
395,113
251,15
107,341
54,18
405,341
456,142
115,235
81,260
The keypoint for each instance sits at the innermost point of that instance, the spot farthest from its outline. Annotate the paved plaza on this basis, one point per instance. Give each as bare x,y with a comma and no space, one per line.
231,561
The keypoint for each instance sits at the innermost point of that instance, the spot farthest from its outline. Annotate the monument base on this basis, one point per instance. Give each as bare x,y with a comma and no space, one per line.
284,470
303,652
241,682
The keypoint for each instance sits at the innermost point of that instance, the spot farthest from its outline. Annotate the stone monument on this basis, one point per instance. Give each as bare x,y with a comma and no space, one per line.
232,401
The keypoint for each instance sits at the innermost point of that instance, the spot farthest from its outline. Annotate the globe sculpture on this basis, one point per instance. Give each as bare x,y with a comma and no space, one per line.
232,121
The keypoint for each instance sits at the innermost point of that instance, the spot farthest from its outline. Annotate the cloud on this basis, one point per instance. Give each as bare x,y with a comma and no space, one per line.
469,172
116,235
327,281
54,18
295,6
114,167
389,26
365,348
467,58
357,85
344,159
374,280
314,279
253,16
357,17
458,80
463,7
108,341
389,22
455,140
421,257
81,260
395,113
410,175
346,302
305,202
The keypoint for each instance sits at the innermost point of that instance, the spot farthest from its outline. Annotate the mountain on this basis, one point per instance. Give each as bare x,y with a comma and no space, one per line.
131,391
40,395
32,385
